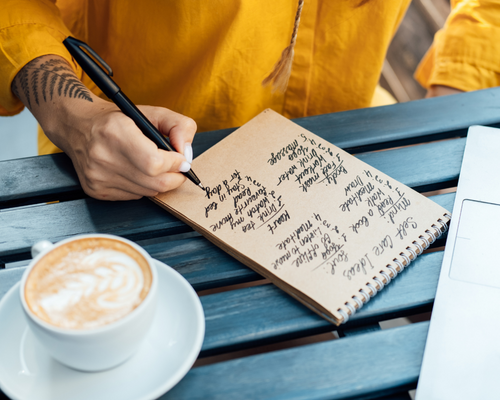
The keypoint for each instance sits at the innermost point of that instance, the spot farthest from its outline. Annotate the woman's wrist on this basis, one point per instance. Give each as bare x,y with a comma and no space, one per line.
56,97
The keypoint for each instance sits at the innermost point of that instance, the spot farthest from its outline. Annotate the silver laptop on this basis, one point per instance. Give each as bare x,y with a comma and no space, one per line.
462,353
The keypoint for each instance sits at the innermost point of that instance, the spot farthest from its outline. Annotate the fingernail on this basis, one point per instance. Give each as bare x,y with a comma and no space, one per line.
185,167
188,153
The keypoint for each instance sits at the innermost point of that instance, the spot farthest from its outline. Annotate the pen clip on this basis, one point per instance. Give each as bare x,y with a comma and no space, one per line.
93,65
90,52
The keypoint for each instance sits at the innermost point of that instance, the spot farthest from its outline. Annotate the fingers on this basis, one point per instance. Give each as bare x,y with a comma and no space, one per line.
113,195
98,189
177,127
116,161
137,156
103,184
161,182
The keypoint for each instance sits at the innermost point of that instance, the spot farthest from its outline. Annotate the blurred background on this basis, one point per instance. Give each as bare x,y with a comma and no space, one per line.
18,136
423,19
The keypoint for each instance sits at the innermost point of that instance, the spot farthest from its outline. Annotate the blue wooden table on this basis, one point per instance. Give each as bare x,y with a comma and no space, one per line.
366,361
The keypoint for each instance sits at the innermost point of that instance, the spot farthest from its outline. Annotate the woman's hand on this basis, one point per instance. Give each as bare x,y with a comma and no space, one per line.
112,157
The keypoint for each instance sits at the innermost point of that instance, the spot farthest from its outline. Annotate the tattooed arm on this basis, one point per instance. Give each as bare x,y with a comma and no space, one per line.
112,157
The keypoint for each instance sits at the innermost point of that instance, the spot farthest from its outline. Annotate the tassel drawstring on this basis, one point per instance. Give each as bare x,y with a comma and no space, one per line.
280,74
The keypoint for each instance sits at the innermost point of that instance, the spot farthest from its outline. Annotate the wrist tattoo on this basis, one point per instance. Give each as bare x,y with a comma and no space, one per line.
42,80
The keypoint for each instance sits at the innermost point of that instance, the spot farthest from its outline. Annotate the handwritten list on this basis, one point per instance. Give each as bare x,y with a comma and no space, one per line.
316,221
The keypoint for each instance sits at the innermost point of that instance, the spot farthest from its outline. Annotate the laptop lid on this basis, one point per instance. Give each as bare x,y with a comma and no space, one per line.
462,353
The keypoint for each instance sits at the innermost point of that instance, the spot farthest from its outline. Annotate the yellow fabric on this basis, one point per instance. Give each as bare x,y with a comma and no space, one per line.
466,52
206,59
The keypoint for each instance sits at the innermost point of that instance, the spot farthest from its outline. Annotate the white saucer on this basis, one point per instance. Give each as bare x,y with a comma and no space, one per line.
169,351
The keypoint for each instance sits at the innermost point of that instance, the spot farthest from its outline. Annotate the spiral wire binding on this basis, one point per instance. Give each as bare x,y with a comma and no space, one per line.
393,270
373,288
412,252
380,283
358,301
365,295
406,259
400,264
432,235
386,276
420,249
344,315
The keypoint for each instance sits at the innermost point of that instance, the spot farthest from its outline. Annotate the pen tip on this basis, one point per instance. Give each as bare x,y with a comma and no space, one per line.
202,187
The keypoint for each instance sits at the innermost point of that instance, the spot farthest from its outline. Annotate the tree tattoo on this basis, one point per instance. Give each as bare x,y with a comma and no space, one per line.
43,79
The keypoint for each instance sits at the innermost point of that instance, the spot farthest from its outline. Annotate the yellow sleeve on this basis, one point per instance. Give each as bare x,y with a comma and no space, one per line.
28,29
466,53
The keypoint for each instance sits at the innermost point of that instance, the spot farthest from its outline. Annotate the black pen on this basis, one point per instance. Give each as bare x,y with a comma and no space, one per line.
101,76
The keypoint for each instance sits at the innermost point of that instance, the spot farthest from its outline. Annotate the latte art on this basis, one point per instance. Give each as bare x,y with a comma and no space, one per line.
88,286
90,290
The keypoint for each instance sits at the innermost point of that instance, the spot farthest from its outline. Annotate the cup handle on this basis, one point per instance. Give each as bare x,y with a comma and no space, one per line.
38,247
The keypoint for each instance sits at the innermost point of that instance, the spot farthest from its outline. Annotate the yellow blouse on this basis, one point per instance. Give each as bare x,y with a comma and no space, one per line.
206,59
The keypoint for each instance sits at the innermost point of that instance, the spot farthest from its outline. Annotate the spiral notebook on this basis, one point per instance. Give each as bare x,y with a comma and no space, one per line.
320,224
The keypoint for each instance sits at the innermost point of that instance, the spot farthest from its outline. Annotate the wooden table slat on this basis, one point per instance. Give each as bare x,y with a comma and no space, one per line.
381,363
38,179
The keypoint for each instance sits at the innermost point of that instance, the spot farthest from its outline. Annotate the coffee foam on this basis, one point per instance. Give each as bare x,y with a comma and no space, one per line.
88,283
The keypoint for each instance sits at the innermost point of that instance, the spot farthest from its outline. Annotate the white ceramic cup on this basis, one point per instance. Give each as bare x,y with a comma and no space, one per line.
98,348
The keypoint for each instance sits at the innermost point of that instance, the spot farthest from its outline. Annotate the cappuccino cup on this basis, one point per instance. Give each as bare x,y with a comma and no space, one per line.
89,300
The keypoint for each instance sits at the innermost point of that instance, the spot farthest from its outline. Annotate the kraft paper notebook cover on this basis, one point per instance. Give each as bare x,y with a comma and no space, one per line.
320,224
